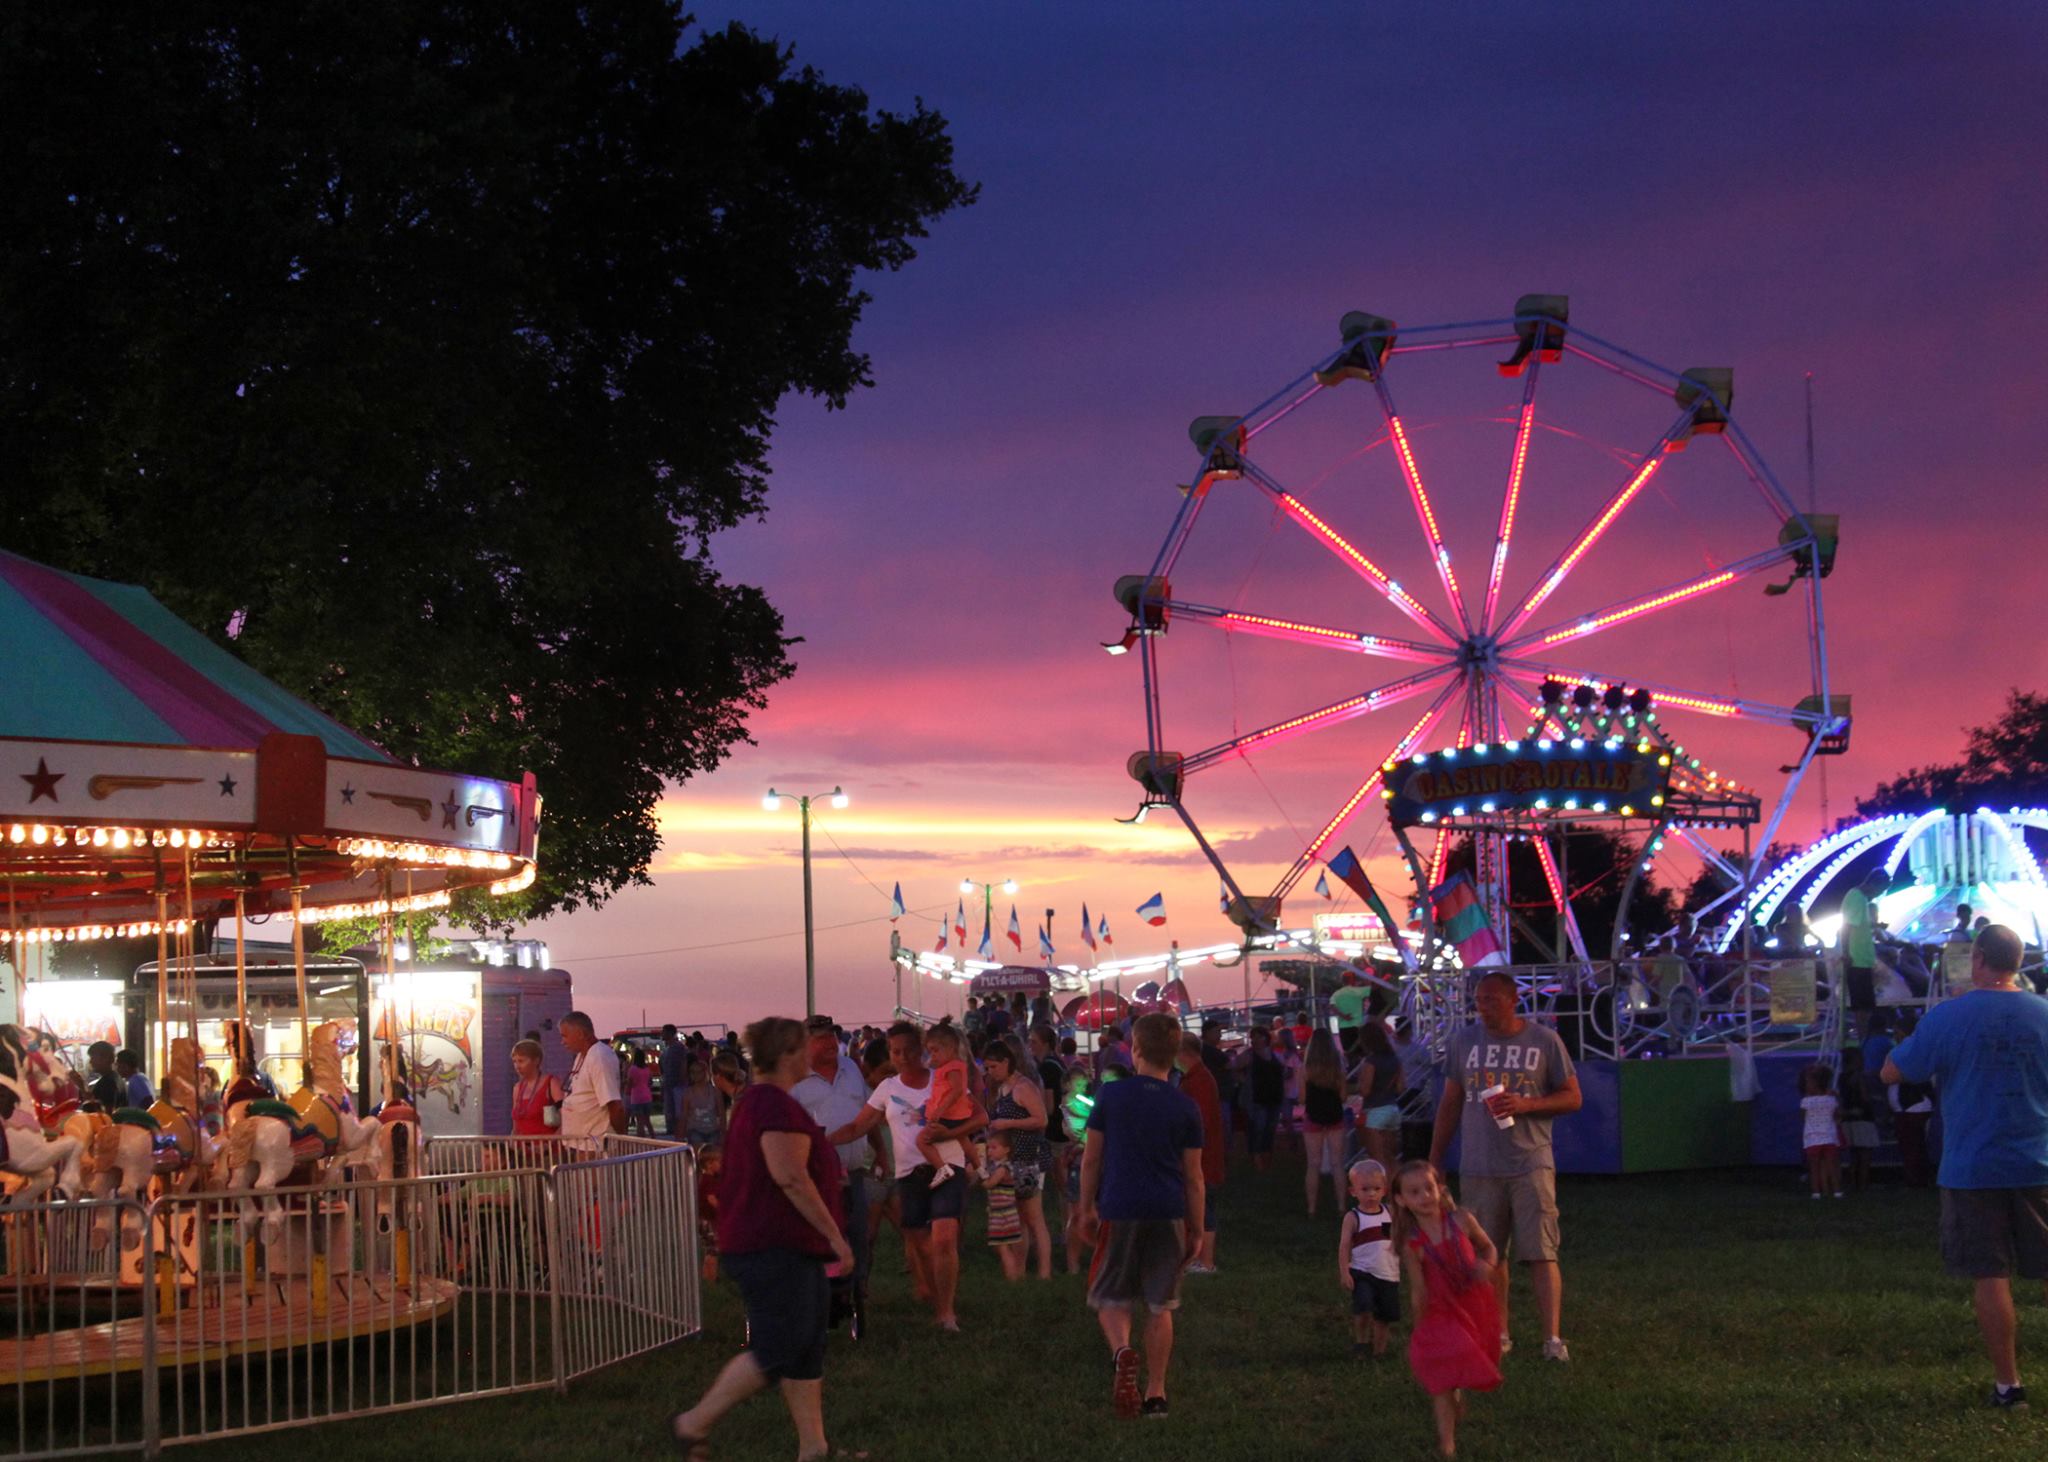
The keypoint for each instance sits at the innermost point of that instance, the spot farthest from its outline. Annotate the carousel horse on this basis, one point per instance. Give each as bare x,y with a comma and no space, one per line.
46,1163
271,1143
135,1145
394,1153
120,1160
40,1083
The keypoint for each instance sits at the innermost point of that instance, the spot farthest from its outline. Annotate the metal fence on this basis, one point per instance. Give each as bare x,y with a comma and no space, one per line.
236,1313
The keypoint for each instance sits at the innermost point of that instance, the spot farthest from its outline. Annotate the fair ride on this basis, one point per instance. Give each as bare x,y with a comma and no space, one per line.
154,787
1643,503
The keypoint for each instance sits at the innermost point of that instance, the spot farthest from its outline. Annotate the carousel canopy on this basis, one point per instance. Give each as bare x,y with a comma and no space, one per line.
89,660
146,770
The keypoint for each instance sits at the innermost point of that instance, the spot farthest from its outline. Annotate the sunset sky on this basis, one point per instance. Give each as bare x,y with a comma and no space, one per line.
1177,205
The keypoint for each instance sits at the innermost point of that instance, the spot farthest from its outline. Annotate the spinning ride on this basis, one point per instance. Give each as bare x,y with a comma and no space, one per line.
1300,468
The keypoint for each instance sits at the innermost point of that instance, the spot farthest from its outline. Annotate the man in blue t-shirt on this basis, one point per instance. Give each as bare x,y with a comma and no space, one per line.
1987,1053
1141,1206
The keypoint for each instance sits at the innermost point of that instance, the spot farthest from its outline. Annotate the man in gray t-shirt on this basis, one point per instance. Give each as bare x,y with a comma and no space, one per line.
1507,1176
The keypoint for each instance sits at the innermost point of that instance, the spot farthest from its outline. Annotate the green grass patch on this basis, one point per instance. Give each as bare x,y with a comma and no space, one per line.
1710,1315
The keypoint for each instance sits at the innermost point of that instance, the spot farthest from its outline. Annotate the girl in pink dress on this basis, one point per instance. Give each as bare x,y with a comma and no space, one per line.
1455,1345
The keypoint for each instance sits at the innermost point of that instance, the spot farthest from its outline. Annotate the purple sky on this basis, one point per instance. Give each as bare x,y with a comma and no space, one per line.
1177,204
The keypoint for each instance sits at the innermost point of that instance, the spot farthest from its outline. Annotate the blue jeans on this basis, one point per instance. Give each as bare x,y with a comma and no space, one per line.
1261,1121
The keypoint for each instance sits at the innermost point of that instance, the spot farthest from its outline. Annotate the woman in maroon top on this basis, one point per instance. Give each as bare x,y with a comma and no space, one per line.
778,1227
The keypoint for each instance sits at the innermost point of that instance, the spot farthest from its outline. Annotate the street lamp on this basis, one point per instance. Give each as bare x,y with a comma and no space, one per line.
773,803
988,900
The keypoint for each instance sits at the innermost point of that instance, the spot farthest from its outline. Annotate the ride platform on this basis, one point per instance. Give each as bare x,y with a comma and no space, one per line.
224,1321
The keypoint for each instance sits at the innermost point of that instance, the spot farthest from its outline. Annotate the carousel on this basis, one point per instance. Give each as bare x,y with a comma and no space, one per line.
154,787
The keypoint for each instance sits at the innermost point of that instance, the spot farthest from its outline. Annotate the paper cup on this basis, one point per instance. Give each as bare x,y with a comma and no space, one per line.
1488,1095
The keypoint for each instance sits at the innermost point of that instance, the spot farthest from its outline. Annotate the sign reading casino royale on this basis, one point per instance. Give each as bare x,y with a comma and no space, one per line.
1529,776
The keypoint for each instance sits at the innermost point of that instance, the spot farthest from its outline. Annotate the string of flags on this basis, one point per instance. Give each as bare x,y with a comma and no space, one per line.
1455,904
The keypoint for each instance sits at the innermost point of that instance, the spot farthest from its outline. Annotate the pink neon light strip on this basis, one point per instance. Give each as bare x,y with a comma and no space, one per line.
1585,542
1641,606
1399,597
1401,748
1357,705
1509,501
1437,550
1317,634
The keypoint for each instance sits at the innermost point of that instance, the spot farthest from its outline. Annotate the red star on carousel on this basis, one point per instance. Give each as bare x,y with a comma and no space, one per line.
42,782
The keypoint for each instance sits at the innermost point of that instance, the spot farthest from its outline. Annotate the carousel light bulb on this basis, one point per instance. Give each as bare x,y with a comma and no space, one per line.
17,833
121,837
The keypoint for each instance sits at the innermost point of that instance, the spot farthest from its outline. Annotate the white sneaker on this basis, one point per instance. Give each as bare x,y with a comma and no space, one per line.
1555,1349
946,1170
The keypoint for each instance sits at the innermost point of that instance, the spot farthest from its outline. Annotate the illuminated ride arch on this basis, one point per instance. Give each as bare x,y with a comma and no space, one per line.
1483,663
1932,862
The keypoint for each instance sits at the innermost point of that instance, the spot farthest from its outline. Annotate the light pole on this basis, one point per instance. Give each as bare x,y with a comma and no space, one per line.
988,902
773,802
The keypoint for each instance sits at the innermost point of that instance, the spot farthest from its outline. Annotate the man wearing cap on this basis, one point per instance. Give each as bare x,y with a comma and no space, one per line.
835,1094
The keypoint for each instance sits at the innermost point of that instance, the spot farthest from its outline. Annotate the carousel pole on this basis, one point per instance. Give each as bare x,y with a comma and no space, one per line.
188,943
163,974
241,992
299,965
390,1056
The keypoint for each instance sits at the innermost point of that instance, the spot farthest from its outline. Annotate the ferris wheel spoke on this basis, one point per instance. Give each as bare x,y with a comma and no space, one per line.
1439,552
1670,695
1511,494
1236,621
1627,493
1347,709
1410,738
1347,553
1627,609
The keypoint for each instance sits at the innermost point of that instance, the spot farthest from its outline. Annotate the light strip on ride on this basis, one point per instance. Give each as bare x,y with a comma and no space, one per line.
1510,498
1399,597
1439,553
1586,540
1317,634
1662,697
1344,710
1615,616
1401,748
1602,521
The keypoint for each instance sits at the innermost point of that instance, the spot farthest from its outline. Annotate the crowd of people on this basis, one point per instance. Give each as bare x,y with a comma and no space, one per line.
868,1128
812,1138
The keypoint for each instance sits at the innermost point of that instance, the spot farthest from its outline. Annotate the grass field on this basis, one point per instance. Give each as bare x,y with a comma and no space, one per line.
1710,1315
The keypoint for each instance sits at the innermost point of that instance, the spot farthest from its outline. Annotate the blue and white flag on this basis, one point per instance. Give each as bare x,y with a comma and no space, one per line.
987,950
1323,884
896,904
1016,931
1087,928
1045,945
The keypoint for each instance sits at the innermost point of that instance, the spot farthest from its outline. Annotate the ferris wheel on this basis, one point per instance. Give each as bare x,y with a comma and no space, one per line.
1291,540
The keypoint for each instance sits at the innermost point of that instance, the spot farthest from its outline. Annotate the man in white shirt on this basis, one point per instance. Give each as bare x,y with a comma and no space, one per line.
592,1106
835,1094
930,1217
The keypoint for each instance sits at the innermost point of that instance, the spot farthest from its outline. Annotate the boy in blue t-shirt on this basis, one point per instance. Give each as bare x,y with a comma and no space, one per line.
1987,1053
1141,1182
